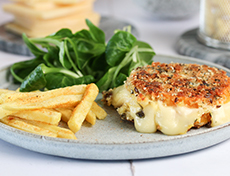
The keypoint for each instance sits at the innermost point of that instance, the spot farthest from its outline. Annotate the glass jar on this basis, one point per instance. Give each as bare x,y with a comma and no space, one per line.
214,30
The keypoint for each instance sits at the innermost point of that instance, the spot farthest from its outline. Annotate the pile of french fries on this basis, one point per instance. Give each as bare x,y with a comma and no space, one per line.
41,112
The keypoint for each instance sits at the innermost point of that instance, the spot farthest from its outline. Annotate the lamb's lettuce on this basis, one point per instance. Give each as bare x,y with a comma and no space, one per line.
65,59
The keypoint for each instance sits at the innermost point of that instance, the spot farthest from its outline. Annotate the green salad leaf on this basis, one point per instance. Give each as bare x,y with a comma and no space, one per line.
65,59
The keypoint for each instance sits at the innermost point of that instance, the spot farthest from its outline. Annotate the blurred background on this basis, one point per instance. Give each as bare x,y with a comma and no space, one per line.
158,22
155,22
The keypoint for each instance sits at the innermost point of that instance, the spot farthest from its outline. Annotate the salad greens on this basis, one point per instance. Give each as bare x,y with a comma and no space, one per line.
65,59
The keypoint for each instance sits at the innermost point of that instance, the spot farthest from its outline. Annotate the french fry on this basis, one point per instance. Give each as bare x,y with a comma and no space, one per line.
37,103
91,117
66,113
2,91
22,125
41,96
82,109
43,115
61,132
4,112
98,111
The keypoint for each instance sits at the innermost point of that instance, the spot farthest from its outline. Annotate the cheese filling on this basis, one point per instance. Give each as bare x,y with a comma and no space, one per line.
154,115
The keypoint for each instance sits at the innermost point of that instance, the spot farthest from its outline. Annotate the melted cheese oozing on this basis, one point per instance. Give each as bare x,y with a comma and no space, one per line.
220,115
168,119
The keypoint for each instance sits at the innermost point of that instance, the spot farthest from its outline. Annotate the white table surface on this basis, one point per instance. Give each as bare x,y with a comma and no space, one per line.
162,35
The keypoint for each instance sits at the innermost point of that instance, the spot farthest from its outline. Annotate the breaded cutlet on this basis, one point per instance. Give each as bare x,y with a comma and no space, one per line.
173,97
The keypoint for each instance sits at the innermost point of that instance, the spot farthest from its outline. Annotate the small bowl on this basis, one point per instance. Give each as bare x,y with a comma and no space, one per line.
170,9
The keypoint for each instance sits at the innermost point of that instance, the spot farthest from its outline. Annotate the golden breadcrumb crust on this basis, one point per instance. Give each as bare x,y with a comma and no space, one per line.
174,84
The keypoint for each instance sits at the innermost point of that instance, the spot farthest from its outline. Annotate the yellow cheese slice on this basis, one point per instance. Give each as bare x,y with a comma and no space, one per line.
34,24
57,11
53,1
44,31
40,5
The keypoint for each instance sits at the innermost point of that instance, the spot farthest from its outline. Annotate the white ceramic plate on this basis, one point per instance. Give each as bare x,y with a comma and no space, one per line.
113,139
